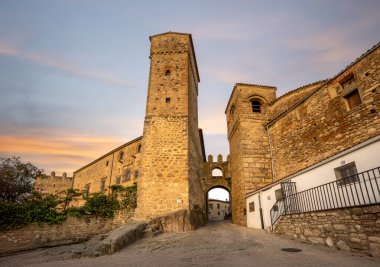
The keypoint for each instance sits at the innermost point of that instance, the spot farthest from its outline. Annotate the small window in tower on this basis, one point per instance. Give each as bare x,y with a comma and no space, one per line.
167,73
107,162
353,99
121,156
139,148
167,100
256,106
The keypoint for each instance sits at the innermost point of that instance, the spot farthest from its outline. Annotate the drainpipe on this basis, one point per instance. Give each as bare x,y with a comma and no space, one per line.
261,212
109,184
270,151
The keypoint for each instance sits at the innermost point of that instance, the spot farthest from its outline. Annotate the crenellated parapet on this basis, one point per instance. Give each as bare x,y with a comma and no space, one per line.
216,173
53,183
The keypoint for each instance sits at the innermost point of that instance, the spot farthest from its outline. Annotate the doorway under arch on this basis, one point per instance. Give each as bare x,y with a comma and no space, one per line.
218,203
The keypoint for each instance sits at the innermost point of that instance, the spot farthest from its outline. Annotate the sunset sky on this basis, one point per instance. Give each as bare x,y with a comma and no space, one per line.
74,73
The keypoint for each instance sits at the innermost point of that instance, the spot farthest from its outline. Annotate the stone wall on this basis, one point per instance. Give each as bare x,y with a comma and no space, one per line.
172,154
291,98
249,147
352,229
324,125
53,184
73,230
111,168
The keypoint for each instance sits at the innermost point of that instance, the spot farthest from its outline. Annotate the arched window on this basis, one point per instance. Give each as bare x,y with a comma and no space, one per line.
217,172
256,106
121,156
167,73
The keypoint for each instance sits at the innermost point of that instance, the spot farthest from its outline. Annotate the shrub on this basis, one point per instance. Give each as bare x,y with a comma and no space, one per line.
101,205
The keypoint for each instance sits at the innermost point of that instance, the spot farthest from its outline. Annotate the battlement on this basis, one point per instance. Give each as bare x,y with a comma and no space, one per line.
53,184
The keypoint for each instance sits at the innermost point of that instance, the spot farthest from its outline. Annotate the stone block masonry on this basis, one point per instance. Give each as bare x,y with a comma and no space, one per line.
351,229
172,153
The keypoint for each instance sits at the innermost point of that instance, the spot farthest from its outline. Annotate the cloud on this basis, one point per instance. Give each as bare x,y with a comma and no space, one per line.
59,152
64,66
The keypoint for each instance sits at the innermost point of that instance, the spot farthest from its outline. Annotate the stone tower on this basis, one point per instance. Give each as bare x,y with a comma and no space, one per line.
171,149
247,115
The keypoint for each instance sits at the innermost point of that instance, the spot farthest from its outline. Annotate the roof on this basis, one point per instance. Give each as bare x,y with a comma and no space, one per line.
191,44
211,199
246,84
296,90
109,153
328,81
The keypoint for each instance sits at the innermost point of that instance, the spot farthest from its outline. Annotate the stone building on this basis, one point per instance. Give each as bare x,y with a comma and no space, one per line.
330,133
271,138
218,209
53,184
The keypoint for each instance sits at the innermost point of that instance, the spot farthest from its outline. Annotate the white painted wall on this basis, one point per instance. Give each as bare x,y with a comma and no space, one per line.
365,158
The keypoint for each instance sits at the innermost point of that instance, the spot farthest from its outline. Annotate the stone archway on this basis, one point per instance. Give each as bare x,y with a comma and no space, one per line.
208,211
216,175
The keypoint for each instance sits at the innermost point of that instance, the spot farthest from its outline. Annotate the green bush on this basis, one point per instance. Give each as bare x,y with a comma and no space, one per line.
13,215
37,208
52,209
101,205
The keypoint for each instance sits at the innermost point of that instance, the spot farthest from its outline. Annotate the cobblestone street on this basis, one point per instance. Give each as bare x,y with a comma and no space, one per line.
217,244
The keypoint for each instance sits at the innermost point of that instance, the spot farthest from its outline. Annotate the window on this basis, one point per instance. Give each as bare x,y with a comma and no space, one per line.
117,181
121,156
346,174
139,148
252,206
218,212
127,176
218,206
279,194
167,100
102,185
353,99
210,206
107,163
217,172
86,190
136,174
256,106
167,73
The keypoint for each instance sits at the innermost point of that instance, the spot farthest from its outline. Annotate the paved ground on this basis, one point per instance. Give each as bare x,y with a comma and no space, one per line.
217,244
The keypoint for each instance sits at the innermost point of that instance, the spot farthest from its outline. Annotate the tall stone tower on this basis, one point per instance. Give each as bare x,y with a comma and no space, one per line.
171,149
247,115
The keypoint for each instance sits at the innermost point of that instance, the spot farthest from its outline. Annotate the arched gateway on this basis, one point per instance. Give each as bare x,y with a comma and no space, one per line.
216,175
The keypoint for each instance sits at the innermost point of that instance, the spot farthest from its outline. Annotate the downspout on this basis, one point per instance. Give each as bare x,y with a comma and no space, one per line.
270,151
261,212
109,184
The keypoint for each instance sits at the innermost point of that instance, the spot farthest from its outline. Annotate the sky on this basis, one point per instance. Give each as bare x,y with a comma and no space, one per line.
74,73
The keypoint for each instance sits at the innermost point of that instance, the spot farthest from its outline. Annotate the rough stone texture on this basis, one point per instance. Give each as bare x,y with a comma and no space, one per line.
323,125
249,147
53,184
111,167
73,230
299,129
172,154
350,229
179,221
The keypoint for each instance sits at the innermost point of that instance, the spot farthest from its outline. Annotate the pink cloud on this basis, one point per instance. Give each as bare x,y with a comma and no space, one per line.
62,65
